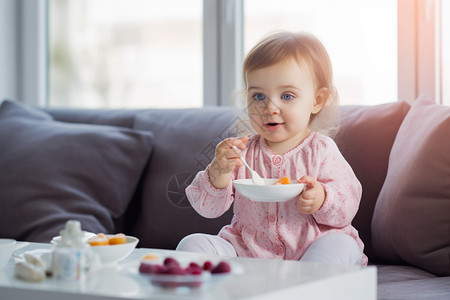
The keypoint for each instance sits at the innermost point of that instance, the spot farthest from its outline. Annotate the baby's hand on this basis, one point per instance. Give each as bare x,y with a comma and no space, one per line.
312,197
226,160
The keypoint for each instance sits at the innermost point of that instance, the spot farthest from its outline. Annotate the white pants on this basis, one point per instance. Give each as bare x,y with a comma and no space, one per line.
333,248
206,243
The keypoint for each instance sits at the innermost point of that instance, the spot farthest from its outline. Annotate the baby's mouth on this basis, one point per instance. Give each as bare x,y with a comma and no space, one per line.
273,125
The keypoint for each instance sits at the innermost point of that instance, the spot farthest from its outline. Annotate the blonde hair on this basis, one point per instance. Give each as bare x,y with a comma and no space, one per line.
305,49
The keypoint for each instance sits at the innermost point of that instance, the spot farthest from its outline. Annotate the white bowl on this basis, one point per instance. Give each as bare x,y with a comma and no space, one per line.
86,236
268,192
113,253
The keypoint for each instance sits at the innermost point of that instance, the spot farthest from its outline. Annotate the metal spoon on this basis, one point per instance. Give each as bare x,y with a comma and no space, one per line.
257,180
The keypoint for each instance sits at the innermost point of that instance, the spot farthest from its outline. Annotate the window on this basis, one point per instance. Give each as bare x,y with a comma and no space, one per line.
125,53
362,45
188,53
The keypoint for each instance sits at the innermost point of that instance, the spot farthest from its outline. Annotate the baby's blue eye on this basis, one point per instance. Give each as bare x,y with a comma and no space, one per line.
287,97
259,97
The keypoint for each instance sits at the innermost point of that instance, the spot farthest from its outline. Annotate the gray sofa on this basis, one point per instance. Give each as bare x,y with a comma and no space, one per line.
126,171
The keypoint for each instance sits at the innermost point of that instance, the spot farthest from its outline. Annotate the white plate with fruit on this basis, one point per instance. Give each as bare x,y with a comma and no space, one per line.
173,273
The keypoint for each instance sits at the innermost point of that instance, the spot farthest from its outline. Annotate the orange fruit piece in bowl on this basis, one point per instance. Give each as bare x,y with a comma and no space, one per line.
283,180
98,240
118,239
150,256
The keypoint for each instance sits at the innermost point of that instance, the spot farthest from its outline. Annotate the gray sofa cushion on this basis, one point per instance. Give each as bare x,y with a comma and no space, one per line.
185,142
406,282
53,171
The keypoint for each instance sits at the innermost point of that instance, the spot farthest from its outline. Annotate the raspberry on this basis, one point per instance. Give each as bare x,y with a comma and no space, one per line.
170,261
194,270
222,267
194,265
173,269
148,268
208,266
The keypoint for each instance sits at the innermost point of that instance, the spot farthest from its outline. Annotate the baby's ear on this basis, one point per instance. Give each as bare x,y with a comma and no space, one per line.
321,99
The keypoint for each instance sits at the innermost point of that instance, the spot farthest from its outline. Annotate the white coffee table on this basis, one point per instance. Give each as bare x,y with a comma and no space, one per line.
262,279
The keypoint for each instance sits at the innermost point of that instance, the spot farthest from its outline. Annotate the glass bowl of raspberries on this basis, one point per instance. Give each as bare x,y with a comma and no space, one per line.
172,273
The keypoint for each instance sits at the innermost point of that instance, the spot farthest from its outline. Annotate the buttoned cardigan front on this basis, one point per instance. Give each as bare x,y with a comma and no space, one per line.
278,229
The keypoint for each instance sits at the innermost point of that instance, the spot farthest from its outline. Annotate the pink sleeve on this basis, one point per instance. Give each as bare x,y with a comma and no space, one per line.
207,200
343,189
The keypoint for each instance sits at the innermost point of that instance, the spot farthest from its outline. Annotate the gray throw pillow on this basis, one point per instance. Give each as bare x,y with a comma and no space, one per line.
52,171
411,221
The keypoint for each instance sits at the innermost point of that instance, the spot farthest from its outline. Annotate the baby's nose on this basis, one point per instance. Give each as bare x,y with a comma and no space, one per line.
271,108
